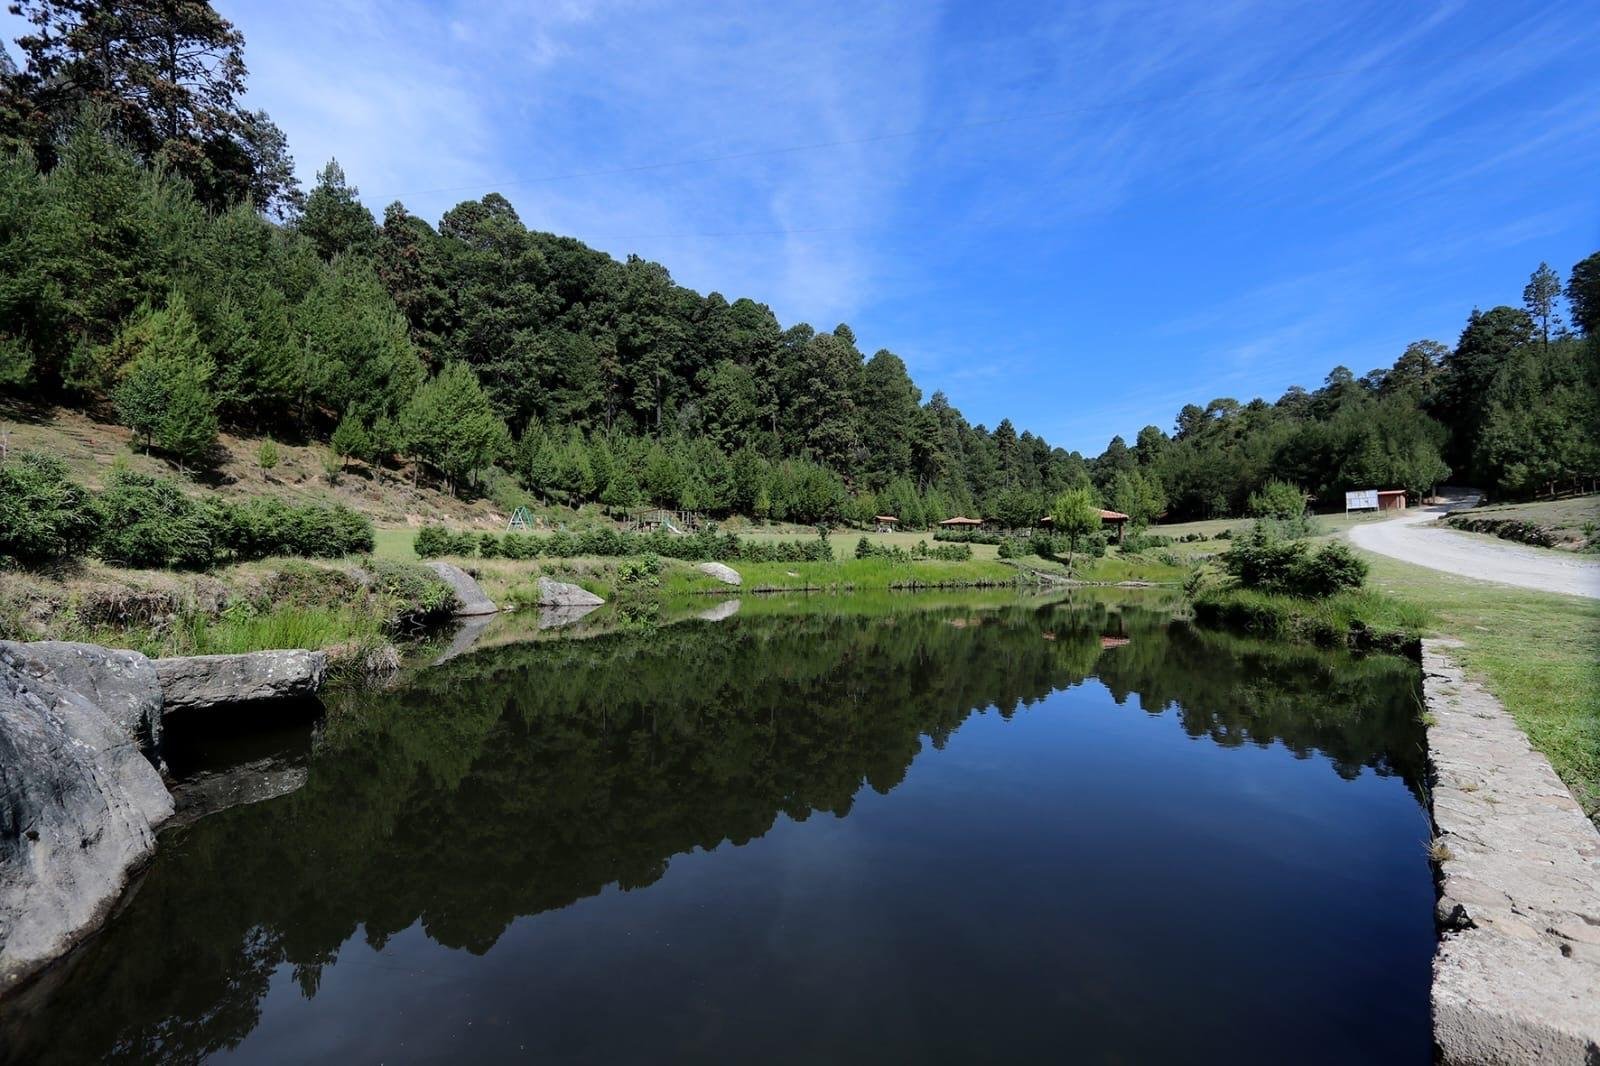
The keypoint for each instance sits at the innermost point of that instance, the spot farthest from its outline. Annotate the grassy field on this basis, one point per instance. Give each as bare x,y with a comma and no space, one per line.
1539,653
1573,522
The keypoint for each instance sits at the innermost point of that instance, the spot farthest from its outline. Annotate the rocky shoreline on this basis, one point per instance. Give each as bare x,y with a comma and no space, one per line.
81,787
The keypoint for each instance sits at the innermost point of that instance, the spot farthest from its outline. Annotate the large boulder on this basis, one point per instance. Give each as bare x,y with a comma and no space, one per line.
562,594
469,594
725,574
123,684
79,806
202,682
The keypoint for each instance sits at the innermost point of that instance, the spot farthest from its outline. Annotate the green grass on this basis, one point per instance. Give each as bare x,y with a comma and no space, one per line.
1366,618
288,627
1145,566
394,544
1538,653
864,574
1573,521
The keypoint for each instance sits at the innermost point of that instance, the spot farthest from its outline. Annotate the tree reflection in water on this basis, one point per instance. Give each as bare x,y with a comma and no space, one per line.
517,780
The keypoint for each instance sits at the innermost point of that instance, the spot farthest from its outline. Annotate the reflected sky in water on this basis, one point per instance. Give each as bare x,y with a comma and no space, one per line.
1080,832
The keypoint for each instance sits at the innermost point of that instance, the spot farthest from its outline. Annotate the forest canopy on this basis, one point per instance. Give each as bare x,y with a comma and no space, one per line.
157,259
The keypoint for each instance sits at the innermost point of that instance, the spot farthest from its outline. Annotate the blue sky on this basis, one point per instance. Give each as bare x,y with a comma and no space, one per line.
1080,216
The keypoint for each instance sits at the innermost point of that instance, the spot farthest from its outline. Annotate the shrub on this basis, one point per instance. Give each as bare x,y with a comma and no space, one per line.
489,545
413,592
1277,499
431,542
148,522
44,515
1263,559
267,526
1334,568
1141,541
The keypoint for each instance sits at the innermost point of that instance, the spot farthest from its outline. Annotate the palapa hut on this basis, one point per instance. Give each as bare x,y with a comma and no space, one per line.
1114,520
886,522
961,522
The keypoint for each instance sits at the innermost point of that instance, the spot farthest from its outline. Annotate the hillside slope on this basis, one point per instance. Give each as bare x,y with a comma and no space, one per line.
92,449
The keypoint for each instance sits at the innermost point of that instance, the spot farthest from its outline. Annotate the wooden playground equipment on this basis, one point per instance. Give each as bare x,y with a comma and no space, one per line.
650,519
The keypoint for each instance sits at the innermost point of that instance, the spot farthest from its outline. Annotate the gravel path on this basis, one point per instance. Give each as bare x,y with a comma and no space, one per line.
1412,539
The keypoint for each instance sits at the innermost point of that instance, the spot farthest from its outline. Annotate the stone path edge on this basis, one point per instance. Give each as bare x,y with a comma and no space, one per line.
1516,975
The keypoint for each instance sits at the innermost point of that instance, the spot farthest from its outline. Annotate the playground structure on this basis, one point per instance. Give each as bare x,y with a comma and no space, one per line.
650,519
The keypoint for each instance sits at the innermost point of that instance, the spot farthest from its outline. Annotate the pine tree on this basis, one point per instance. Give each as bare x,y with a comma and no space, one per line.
334,219
1539,298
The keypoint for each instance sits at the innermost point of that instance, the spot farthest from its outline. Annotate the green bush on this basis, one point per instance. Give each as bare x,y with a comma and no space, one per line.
267,526
1334,568
1265,560
413,593
44,516
148,522
1277,499
431,542
1141,541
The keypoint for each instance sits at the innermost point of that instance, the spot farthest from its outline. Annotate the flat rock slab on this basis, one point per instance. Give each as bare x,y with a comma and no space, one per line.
79,806
203,682
1516,977
725,574
554,593
123,684
469,594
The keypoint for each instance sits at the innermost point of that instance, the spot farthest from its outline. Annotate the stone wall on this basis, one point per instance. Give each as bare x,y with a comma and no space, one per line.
1516,978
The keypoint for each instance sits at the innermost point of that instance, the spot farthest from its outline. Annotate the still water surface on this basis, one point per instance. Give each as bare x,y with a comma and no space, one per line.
1064,832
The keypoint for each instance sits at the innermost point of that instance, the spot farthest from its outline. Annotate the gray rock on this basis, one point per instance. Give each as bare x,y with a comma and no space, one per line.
468,593
725,574
79,806
1517,974
562,594
201,682
123,684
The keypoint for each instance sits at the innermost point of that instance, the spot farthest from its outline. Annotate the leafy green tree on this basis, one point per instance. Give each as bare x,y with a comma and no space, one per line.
169,77
1075,514
1583,295
450,424
164,395
1278,499
188,427
1138,495
267,456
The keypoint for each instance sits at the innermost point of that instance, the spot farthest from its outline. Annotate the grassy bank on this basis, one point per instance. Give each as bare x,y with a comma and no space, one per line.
1363,619
1537,652
288,603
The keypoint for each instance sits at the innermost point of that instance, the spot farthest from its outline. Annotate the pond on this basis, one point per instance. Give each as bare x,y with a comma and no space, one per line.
911,829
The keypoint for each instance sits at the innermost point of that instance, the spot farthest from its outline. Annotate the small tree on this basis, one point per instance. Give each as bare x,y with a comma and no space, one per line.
350,439
188,428
267,456
1277,499
1075,515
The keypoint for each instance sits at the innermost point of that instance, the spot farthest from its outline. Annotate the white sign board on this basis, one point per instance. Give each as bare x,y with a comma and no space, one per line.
1365,500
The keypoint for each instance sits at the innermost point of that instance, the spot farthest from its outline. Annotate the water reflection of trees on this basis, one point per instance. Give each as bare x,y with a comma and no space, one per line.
514,781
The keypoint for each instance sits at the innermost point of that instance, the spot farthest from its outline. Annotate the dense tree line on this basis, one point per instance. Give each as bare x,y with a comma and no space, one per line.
157,261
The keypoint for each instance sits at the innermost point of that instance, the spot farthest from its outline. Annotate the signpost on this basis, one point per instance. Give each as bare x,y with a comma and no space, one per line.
1364,500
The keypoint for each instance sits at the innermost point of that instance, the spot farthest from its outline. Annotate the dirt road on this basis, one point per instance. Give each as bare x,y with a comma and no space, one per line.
1412,538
